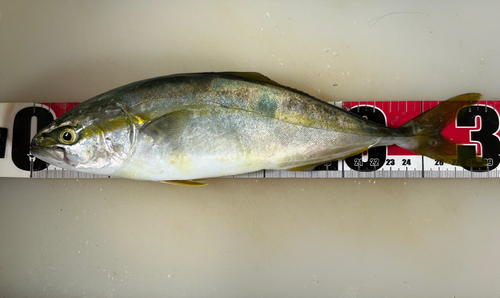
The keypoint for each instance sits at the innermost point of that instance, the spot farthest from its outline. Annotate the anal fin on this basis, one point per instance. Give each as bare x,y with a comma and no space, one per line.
185,182
306,167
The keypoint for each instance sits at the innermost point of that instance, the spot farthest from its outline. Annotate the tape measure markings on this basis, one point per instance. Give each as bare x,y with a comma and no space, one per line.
476,127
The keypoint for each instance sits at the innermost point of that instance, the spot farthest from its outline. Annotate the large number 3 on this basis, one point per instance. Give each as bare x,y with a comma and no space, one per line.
486,135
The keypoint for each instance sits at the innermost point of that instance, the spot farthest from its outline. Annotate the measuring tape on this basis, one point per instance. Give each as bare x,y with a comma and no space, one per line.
476,128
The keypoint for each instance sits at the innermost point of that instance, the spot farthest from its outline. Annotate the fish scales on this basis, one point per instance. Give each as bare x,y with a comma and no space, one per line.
253,126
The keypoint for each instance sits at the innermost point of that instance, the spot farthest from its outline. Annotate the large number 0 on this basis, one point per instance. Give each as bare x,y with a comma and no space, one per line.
377,155
21,136
490,143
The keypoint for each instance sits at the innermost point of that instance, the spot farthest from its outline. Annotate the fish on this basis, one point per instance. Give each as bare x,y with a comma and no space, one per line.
185,127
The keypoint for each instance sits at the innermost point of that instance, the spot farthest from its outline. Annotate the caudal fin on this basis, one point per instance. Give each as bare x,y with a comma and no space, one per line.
424,132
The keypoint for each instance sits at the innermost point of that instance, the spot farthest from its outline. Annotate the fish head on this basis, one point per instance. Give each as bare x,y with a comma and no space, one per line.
92,138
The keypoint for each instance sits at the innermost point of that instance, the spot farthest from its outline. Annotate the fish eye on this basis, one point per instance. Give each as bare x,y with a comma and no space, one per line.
67,136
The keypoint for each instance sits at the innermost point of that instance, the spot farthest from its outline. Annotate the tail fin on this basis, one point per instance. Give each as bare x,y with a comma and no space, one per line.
425,132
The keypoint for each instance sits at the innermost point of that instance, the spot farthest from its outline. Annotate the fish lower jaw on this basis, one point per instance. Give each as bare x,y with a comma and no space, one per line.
52,155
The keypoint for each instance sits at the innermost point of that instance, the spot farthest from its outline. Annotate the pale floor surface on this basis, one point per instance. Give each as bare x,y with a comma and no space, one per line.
250,238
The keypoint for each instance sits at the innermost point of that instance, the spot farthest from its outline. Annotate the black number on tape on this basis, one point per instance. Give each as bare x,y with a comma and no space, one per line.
3,141
21,136
375,155
329,166
486,135
374,162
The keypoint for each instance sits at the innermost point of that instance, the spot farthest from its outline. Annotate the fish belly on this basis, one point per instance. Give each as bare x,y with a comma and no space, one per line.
236,143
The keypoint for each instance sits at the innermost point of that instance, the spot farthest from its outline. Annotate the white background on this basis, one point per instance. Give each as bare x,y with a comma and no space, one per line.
247,237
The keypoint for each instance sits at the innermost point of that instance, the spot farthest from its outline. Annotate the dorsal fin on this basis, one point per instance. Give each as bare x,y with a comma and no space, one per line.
257,77
252,76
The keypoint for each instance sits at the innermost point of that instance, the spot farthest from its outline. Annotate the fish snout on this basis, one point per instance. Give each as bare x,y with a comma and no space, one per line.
39,140
36,141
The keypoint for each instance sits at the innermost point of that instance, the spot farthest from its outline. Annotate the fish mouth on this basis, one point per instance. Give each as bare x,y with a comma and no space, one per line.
53,155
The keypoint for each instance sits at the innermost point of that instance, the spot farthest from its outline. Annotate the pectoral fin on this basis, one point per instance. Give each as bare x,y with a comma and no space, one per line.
185,182
166,126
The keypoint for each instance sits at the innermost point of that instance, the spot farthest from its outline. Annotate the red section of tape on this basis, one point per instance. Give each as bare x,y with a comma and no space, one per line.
60,108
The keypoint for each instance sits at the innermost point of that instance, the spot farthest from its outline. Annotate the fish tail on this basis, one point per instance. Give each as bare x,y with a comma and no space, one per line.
422,134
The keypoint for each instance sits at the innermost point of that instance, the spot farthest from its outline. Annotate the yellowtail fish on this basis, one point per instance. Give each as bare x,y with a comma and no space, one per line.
184,127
